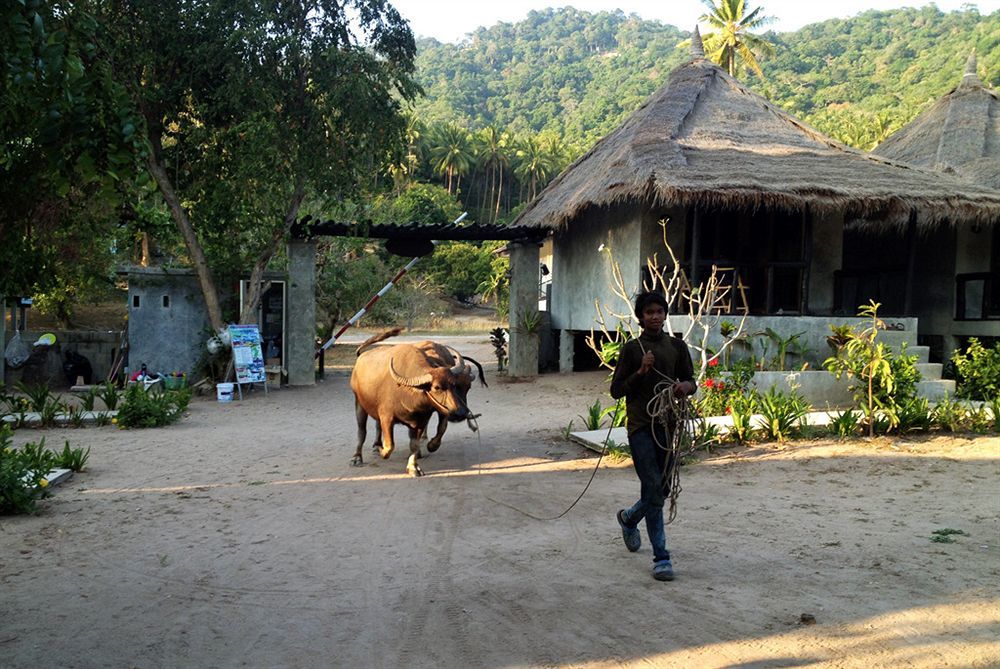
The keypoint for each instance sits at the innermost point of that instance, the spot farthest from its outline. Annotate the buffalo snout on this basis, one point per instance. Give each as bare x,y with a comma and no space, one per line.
459,414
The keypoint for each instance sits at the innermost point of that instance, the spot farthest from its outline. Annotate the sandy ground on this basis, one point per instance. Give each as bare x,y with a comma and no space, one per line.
242,537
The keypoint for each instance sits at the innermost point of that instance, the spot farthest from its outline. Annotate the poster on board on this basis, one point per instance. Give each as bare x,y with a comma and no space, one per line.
248,357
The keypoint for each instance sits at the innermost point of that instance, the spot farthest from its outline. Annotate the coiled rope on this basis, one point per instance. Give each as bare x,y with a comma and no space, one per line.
666,408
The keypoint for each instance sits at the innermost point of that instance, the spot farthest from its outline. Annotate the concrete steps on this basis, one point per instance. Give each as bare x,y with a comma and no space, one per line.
931,385
935,389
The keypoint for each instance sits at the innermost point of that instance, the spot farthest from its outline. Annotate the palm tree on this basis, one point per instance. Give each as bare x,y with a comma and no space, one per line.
494,153
534,163
451,153
732,36
403,169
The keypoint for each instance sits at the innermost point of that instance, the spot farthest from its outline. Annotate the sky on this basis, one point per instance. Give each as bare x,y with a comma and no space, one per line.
451,20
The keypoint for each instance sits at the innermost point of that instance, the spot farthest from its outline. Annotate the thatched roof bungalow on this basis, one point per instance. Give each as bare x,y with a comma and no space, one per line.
958,135
743,185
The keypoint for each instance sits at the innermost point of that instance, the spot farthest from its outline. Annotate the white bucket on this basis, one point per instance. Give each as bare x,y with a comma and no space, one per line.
224,391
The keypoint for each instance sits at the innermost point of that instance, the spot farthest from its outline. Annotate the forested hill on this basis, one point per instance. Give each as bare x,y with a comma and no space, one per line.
578,74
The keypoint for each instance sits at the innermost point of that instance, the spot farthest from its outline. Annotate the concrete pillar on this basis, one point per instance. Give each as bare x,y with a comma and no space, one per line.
827,255
3,343
301,364
523,308
566,340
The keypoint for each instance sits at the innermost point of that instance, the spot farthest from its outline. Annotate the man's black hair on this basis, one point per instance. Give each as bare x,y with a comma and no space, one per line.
649,297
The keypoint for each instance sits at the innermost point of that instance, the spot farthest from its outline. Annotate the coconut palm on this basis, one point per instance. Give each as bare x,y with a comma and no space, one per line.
404,167
732,44
451,153
494,148
534,163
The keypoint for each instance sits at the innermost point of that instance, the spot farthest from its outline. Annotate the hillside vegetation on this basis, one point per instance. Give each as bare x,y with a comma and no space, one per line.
578,74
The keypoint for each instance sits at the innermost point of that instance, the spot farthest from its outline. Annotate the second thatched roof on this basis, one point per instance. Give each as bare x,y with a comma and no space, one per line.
706,139
959,133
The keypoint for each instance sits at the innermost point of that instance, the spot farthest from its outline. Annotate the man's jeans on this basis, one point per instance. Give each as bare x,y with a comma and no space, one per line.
649,460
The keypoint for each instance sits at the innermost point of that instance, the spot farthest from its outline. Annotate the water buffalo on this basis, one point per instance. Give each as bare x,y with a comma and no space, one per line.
408,383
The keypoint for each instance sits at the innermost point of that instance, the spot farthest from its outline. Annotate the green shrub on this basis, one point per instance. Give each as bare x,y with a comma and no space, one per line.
617,413
140,408
71,458
741,410
881,381
951,415
980,418
846,424
718,393
781,413
109,395
705,435
22,475
616,451
978,371
592,421
915,415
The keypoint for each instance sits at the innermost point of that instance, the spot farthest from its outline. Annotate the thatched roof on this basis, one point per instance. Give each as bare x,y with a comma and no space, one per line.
706,139
959,134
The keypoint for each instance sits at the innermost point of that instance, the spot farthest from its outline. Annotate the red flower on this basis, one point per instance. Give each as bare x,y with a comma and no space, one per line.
729,410
713,363
709,383
721,385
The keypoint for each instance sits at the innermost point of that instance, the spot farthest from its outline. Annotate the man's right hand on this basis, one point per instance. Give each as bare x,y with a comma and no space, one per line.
647,363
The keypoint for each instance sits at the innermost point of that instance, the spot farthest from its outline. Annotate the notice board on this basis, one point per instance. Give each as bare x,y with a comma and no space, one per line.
248,356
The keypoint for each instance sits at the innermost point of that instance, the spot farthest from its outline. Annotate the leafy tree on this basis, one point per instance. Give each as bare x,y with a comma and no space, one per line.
732,43
248,109
67,152
418,203
460,268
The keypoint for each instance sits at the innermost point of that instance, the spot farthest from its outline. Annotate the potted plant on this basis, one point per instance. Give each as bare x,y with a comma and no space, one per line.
174,380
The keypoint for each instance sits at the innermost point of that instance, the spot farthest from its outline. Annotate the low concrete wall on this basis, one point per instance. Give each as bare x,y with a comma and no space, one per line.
46,364
820,388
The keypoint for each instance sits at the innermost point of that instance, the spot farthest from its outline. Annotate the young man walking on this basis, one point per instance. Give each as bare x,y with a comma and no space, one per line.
643,364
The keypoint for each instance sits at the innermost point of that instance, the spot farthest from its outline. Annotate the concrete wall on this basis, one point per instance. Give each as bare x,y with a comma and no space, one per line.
166,335
815,329
582,273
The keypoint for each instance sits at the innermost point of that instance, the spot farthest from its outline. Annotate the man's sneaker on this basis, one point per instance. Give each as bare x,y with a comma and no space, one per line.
663,571
630,535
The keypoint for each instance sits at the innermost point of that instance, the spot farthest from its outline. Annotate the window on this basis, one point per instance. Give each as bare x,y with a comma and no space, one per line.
762,255
135,301
166,301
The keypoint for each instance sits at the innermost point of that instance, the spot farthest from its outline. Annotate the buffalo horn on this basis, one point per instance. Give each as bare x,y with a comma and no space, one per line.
460,367
412,383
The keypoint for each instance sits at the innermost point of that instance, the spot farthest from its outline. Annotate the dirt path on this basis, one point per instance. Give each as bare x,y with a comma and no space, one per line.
242,537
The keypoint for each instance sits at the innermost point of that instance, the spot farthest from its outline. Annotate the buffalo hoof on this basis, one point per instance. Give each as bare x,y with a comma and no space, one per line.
356,461
384,452
433,445
414,471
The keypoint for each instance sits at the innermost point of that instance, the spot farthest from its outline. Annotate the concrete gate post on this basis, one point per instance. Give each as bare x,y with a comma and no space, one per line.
566,340
301,364
523,308
3,332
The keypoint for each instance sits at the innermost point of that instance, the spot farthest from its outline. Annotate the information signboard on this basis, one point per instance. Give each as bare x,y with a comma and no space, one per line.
248,356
